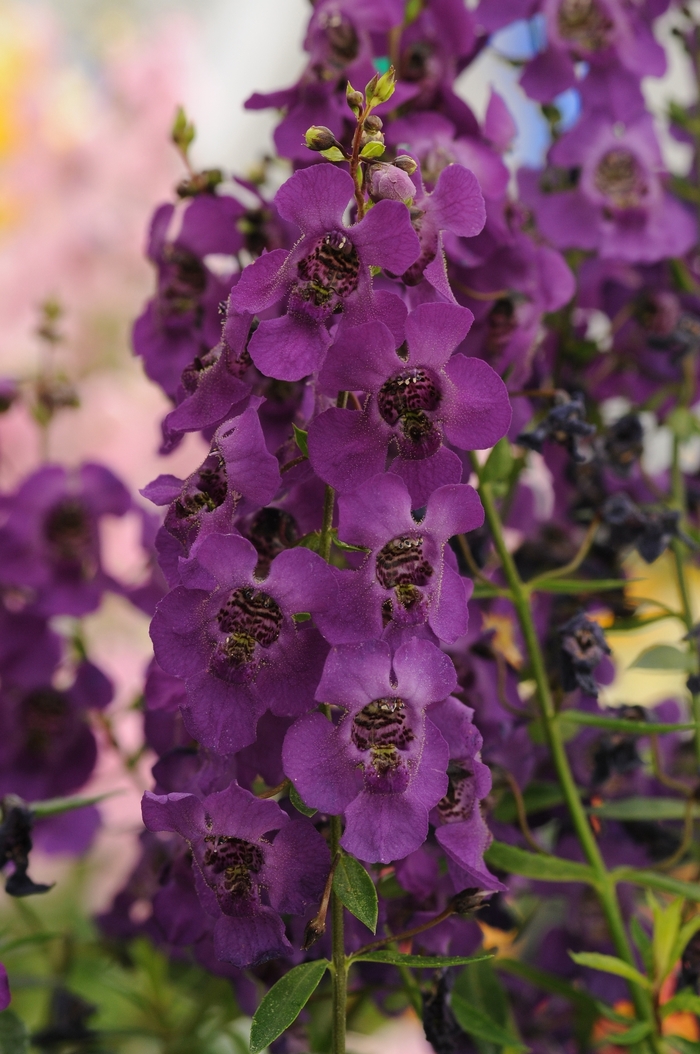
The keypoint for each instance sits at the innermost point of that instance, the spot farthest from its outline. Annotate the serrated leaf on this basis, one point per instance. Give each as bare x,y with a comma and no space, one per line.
499,463
643,809
284,1002
683,1001
301,438
13,1034
533,865
371,150
622,724
610,964
355,888
476,1023
299,805
417,962
663,657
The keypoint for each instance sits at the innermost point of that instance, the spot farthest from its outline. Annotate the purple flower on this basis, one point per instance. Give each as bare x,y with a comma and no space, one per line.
408,578
460,828
419,396
251,863
233,639
618,204
50,545
182,321
327,271
384,764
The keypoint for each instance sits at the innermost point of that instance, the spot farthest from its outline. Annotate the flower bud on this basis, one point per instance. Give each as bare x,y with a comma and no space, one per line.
405,163
355,99
387,181
373,123
318,137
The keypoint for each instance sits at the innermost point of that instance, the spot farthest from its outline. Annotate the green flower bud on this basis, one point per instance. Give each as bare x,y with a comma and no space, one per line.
405,163
318,137
373,123
182,132
380,89
355,99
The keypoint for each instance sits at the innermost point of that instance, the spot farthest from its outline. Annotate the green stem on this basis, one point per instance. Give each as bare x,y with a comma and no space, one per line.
605,885
678,501
340,968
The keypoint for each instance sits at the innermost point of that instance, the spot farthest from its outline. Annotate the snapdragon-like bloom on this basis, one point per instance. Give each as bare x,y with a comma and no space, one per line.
328,270
383,765
233,638
419,396
251,863
50,544
408,578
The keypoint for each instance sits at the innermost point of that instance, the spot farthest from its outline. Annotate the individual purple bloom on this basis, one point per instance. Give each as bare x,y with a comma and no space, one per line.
649,530
564,424
407,578
419,396
327,271
583,646
49,543
618,204
29,649
5,996
181,323
232,637
384,764
461,831
244,849
239,466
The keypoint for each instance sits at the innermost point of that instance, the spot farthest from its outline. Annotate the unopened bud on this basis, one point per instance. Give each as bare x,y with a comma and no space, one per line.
468,900
405,163
387,181
373,123
355,99
182,132
382,87
204,182
313,932
318,137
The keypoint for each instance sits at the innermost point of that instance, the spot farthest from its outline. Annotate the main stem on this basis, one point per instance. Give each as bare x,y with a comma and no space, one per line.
604,884
340,969
678,497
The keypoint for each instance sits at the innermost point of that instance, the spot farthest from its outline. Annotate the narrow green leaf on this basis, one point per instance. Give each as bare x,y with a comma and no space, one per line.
13,1034
282,1005
55,806
643,942
685,934
299,805
622,724
344,545
643,809
577,585
355,888
484,592
301,439
478,1024
683,1046
658,881
631,1035
417,962
499,462
610,964
533,865
663,657
536,796
549,982
667,924
684,1000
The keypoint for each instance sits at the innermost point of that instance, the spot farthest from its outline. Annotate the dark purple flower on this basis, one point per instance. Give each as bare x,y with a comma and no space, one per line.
49,543
648,530
564,424
181,323
233,639
16,822
419,396
408,578
583,646
244,849
384,764
327,271
29,649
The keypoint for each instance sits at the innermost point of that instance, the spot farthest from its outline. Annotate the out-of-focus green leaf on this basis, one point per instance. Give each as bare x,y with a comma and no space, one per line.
13,1034
533,865
476,1023
610,964
663,657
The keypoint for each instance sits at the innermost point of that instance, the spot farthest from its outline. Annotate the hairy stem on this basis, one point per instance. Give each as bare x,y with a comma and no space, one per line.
340,968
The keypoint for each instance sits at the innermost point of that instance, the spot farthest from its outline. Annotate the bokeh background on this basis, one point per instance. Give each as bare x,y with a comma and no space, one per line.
88,90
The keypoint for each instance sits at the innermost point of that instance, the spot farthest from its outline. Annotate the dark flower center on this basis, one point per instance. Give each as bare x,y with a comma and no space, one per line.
207,490
584,24
341,36
458,803
414,61
44,712
621,178
192,374
330,271
229,864
184,282
380,728
501,323
248,618
271,531
400,562
408,392
69,533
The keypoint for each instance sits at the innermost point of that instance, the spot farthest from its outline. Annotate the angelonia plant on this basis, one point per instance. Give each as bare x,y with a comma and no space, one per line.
433,392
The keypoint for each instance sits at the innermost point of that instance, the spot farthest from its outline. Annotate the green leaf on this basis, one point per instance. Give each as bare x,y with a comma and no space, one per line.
302,616
346,548
484,592
643,809
311,541
478,1024
536,796
631,1035
610,964
499,463
549,982
299,805
622,724
685,934
643,942
656,880
371,150
667,924
13,1034
577,585
301,438
283,1003
684,1000
333,153
683,1046
417,962
663,657
534,865
55,806
682,422
355,888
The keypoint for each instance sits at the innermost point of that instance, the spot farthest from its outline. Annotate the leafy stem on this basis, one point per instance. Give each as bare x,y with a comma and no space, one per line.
339,966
